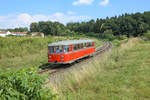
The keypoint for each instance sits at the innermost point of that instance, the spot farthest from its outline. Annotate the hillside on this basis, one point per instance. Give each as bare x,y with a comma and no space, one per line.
120,74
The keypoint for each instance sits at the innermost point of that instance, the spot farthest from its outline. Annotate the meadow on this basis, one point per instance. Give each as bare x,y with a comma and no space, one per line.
24,52
122,74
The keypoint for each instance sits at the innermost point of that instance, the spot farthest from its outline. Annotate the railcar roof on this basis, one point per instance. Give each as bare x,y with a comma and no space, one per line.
69,42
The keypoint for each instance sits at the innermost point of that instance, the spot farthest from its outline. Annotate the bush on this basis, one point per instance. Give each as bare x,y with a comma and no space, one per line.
122,37
116,43
108,34
24,84
147,35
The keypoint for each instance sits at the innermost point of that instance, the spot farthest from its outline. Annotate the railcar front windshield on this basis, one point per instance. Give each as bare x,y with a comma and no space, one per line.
58,49
51,49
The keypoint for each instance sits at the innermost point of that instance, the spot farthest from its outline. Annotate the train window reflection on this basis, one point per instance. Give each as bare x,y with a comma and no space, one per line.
66,48
59,49
75,47
51,49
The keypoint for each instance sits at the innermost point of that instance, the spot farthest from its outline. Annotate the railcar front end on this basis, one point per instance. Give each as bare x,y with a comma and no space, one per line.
58,54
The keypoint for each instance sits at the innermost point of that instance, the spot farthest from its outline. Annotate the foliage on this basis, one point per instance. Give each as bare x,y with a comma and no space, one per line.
147,35
116,43
125,24
48,28
20,29
122,37
24,84
108,34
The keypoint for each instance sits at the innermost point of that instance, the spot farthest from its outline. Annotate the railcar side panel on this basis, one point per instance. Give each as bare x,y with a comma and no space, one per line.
71,56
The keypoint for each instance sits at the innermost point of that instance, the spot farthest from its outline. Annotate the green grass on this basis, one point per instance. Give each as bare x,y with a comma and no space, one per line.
123,74
22,52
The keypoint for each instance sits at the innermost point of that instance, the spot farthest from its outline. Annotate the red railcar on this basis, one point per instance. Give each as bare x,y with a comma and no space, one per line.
64,52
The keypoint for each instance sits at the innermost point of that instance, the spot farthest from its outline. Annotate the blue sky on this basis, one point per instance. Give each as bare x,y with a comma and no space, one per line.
20,13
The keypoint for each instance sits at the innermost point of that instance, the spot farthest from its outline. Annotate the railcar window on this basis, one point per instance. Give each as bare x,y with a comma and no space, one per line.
75,46
88,44
66,48
84,45
70,48
51,49
81,45
91,44
78,46
59,49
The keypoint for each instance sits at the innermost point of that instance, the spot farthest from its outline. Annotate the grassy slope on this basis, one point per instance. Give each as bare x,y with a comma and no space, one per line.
121,75
20,52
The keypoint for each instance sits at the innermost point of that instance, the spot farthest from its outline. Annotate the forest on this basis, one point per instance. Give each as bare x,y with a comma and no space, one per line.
129,25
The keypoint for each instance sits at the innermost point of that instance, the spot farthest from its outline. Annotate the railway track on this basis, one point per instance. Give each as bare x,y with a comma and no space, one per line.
47,68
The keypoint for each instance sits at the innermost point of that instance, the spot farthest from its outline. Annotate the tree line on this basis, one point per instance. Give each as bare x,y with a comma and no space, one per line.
124,25
20,29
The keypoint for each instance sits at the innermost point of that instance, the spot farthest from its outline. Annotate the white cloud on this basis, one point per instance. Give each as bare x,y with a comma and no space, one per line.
104,3
24,20
83,2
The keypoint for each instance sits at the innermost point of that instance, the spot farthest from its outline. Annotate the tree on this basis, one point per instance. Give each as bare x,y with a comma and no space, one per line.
34,27
20,29
108,34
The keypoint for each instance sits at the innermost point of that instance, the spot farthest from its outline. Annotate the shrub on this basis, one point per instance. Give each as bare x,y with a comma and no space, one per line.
147,35
116,43
24,84
108,34
122,37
